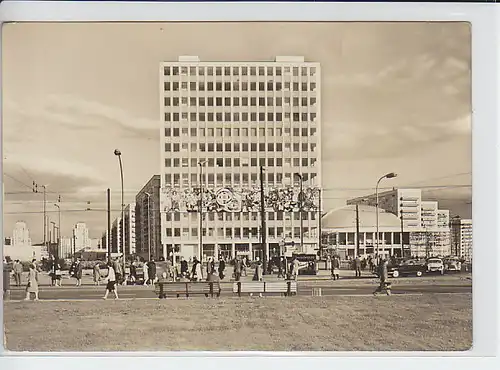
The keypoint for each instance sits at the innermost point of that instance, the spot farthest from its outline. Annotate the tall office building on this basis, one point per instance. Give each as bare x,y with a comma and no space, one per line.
21,234
222,121
116,240
147,219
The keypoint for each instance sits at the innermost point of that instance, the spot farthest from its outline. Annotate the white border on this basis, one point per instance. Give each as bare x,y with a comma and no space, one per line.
485,167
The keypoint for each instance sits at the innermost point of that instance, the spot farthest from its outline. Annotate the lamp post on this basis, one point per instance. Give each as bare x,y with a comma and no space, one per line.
389,175
301,199
149,227
59,230
200,208
118,153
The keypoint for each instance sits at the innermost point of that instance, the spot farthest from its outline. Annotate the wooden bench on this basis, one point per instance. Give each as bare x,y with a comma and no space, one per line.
178,288
286,288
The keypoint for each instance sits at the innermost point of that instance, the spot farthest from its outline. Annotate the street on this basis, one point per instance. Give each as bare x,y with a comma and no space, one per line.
305,288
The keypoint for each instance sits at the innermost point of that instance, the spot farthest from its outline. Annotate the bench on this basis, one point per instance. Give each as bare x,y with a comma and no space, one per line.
286,288
178,288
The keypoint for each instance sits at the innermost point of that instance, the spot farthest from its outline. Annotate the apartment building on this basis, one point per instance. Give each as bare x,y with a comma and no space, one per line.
147,220
222,122
461,237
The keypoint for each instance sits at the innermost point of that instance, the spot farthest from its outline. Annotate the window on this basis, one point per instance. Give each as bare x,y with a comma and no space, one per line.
270,147
253,86
168,162
253,71
201,86
262,102
210,86
227,86
262,86
262,132
270,86
218,71
253,162
279,86
218,86
253,147
262,147
236,131
227,147
210,71
244,117
236,116
192,117
244,101
244,71
235,71
296,132
270,162
236,101
270,117
262,117
279,147
253,101
184,85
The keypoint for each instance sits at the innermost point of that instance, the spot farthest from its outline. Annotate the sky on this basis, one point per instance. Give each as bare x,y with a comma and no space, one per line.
396,97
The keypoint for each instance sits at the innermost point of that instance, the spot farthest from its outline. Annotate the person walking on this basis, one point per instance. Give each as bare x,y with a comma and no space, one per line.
111,285
335,268
258,274
281,267
237,268
58,273
184,268
357,266
32,286
145,273
383,274
295,269
96,274
18,272
152,271
196,271
133,272
221,268
244,265
78,272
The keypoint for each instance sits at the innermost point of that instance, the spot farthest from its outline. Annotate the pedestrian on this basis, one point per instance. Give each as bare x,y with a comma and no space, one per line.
184,268
335,267
111,285
32,286
133,272
244,265
281,267
237,268
363,264
196,271
383,274
257,276
357,266
18,272
78,272
97,274
152,271
295,268
222,267
117,267
145,273
58,274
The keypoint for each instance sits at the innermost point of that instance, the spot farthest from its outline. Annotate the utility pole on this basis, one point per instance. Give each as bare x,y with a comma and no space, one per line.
357,231
108,241
263,220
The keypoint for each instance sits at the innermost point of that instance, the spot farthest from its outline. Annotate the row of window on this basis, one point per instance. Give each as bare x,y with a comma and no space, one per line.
237,132
237,162
240,117
232,178
239,216
236,101
238,71
237,147
239,86
245,232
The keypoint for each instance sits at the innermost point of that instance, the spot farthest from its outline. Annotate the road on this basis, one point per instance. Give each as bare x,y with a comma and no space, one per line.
89,292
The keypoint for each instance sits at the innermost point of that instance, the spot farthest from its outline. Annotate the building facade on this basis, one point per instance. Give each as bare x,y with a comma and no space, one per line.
21,234
428,225
116,240
81,236
461,238
340,234
147,220
221,123
129,229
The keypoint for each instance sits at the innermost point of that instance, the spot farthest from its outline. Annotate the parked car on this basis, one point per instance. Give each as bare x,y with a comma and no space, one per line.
392,270
435,265
452,264
410,267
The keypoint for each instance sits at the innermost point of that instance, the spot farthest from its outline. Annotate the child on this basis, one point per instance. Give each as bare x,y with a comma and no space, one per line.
32,286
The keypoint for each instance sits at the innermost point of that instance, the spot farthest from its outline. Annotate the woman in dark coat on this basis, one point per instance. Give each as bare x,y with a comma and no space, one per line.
222,267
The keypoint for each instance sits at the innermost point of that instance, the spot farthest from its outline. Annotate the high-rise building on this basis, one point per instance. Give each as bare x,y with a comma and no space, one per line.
428,225
221,123
81,236
116,240
129,229
66,249
147,219
21,234
461,237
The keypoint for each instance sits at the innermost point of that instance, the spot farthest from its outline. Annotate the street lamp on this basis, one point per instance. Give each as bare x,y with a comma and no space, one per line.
118,153
59,230
200,209
301,199
389,175
149,228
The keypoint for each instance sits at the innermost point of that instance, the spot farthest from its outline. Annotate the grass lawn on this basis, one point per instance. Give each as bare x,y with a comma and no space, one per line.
428,322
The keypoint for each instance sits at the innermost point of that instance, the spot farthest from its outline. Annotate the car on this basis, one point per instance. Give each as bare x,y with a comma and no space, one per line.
452,264
392,270
410,267
435,265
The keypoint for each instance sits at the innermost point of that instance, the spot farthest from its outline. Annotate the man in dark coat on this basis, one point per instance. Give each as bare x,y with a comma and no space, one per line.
152,270
222,267
357,266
